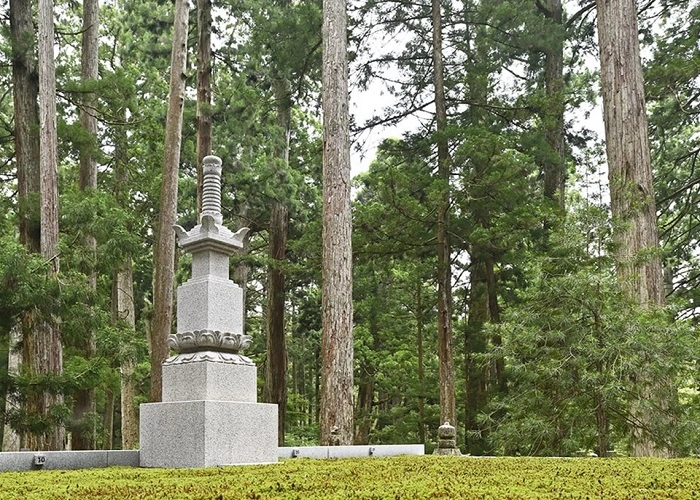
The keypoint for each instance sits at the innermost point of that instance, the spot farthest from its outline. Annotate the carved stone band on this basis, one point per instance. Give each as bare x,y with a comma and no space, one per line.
202,340
216,357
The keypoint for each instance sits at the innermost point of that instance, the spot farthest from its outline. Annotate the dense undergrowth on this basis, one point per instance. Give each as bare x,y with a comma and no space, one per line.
375,478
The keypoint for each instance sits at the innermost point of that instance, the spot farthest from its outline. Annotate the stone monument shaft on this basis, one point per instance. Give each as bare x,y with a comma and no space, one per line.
210,305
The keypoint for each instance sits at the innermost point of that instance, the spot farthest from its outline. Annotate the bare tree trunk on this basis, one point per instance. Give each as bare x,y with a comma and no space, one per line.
276,368
11,439
365,399
444,260
476,378
123,310
553,114
164,252
204,124
498,378
89,73
25,79
83,434
25,86
336,417
108,420
421,366
367,369
44,349
631,191
601,410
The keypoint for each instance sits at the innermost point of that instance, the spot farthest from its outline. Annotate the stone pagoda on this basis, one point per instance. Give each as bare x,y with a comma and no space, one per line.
209,415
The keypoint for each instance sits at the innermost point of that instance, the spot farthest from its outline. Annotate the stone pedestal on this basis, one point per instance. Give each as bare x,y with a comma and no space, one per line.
209,415
181,434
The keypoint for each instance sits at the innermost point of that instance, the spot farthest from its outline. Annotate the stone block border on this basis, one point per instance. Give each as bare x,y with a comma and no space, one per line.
64,460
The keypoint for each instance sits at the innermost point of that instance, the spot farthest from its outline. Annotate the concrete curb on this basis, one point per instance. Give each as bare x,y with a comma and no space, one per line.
66,460
56,460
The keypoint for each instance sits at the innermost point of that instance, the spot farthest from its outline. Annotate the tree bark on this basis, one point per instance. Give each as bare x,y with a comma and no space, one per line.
44,349
89,73
367,369
204,124
553,114
164,252
420,361
25,79
10,438
276,368
336,417
444,259
108,420
25,86
123,310
476,378
631,191
84,436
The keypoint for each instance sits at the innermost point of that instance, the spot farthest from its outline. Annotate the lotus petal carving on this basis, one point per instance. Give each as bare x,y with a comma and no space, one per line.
208,340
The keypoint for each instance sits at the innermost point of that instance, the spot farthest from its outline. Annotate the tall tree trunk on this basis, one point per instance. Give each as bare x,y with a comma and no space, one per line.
108,420
631,190
25,86
444,260
498,379
601,410
276,367
164,252
123,310
554,165
367,369
336,340
480,381
25,79
204,124
476,380
421,366
83,435
10,438
43,342
365,399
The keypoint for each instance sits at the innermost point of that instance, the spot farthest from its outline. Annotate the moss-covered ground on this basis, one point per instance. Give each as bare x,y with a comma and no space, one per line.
375,478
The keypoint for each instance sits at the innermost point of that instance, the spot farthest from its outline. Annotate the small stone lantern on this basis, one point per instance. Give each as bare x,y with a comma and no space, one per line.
447,441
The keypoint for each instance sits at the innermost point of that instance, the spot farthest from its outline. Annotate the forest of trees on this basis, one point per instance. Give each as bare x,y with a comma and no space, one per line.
514,263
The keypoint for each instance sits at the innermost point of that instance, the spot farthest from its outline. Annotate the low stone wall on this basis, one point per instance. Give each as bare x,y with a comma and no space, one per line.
57,460
377,450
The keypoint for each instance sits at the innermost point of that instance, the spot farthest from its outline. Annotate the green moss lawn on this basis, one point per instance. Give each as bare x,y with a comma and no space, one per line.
375,478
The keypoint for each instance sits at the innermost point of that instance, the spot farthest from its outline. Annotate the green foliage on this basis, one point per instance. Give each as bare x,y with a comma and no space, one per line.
24,283
399,477
573,348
